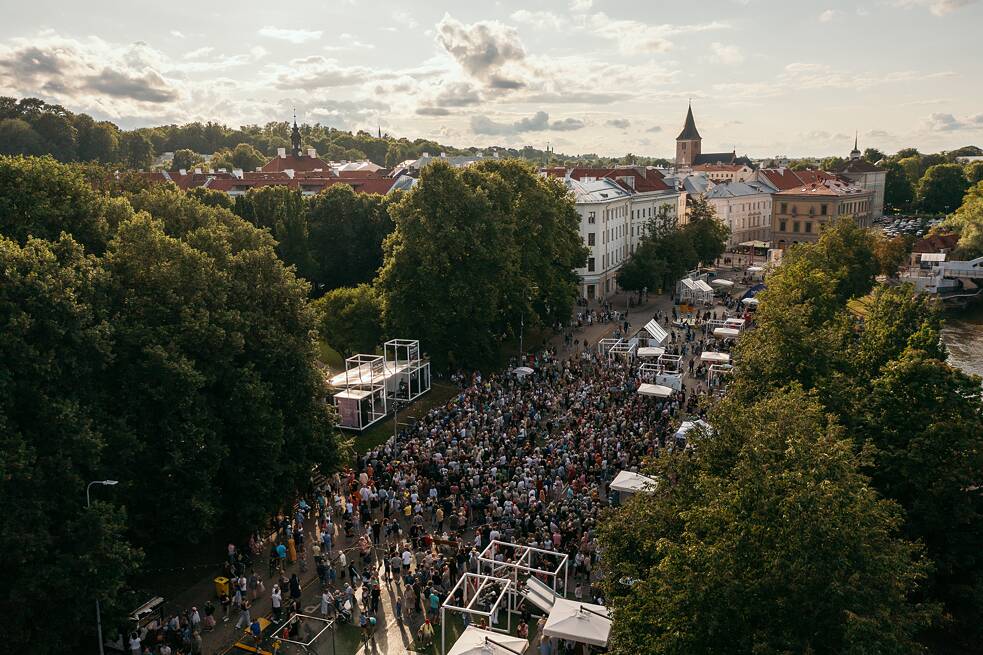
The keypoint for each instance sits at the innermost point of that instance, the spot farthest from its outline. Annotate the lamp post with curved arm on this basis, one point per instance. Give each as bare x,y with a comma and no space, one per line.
88,504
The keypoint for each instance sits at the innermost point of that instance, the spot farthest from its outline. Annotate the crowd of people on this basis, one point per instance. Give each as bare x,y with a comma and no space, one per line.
524,459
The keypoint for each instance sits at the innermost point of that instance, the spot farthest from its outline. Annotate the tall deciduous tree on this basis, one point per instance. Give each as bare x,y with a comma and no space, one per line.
899,193
768,539
707,234
351,319
450,265
942,187
283,211
54,345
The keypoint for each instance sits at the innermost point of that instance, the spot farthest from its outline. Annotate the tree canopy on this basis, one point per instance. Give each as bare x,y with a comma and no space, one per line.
166,347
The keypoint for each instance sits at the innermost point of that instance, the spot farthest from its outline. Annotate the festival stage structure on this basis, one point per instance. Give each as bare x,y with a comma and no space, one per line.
370,382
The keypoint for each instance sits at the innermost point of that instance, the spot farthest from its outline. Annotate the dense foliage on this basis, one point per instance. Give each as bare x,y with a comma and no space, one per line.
166,347
872,367
475,251
667,251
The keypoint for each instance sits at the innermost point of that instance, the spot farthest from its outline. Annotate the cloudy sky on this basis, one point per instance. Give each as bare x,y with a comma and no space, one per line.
766,77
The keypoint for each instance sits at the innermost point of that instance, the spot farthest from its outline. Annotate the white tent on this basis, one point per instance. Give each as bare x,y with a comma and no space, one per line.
726,332
750,301
755,269
715,357
656,390
734,323
630,482
475,641
656,331
585,623
703,286
522,371
539,593
650,352
721,282
689,425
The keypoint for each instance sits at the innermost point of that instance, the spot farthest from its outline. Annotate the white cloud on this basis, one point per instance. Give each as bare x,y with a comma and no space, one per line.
620,123
937,7
828,15
294,36
801,75
540,18
405,20
487,50
200,52
538,122
942,122
730,55
177,34
581,5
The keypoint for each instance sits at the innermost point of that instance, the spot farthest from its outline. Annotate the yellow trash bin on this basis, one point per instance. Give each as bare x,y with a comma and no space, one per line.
221,586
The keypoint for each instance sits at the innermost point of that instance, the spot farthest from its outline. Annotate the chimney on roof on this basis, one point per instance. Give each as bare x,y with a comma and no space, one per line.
237,172
426,155
197,170
281,152
259,169
312,153
182,172
289,173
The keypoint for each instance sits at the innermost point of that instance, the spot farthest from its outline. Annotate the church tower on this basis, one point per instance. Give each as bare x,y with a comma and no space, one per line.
855,154
688,142
295,138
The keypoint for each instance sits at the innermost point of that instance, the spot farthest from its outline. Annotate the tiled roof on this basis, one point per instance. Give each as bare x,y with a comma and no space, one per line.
857,166
644,179
296,163
936,243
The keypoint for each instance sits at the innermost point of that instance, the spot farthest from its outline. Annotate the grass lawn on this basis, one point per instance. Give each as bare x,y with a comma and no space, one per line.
439,394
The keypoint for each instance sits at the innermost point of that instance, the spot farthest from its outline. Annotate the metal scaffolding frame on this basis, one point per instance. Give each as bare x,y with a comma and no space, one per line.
523,562
474,585
409,374
362,399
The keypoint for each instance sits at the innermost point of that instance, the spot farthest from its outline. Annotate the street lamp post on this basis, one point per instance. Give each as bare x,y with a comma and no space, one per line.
88,504
396,404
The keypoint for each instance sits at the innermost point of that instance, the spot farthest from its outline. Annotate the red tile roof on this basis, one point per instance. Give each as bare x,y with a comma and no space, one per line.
644,179
936,243
301,163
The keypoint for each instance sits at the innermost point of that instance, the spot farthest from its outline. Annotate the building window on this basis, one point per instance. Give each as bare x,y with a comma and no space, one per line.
782,226
795,226
590,264
808,226
591,217
823,210
784,209
591,238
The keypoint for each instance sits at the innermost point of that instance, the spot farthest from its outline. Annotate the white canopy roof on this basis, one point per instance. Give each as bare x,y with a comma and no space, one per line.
354,394
656,390
933,257
522,371
631,482
721,282
754,269
650,352
656,331
726,332
750,301
539,593
700,285
715,357
475,641
689,425
734,322
585,623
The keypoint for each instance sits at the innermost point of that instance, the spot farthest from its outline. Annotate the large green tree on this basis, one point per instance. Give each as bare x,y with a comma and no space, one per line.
351,319
54,345
899,192
450,266
346,231
283,211
767,539
942,187
706,232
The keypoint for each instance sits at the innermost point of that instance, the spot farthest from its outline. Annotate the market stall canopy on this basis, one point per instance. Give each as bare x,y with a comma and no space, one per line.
755,269
726,332
656,390
689,425
700,285
522,371
721,282
650,352
539,594
715,357
631,482
754,244
750,301
734,323
475,641
584,623
656,331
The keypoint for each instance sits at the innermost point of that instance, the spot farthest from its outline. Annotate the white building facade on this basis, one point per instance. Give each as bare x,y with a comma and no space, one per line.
745,208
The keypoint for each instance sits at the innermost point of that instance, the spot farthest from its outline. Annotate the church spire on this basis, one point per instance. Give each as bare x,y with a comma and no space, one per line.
855,153
689,132
295,137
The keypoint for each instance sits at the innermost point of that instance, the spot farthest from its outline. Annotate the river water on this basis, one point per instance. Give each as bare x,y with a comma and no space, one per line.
963,336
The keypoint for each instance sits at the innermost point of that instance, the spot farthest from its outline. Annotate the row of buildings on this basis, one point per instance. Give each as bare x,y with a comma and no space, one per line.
763,206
